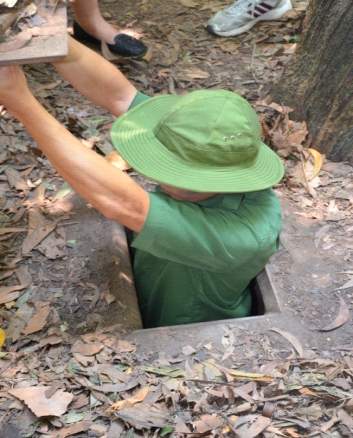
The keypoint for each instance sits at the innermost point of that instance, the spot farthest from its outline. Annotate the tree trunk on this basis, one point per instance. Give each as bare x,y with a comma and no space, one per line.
318,83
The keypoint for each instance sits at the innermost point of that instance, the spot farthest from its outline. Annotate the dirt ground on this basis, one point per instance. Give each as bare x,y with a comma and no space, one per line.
184,57
54,293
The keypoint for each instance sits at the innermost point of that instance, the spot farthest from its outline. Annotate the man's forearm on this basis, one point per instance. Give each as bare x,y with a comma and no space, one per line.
96,78
109,190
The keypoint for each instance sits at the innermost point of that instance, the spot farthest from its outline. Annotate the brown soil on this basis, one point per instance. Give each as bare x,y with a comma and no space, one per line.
310,269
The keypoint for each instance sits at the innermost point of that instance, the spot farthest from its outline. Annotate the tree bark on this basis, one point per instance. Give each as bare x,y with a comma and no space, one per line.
318,83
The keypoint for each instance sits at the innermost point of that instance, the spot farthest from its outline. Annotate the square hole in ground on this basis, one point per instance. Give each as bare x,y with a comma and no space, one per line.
264,295
264,302
102,258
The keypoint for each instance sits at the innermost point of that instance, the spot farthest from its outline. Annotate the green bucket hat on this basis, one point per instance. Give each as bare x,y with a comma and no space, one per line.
205,141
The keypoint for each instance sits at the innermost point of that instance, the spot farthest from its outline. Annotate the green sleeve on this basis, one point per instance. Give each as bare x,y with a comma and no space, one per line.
196,236
139,98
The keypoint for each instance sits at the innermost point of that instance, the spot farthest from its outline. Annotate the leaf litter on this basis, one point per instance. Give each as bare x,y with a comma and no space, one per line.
292,339
41,405
145,404
112,386
342,318
38,320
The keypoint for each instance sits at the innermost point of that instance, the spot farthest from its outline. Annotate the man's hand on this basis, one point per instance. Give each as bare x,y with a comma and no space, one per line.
108,189
13,87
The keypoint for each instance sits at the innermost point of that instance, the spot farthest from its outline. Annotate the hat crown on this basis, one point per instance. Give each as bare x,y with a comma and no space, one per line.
211,128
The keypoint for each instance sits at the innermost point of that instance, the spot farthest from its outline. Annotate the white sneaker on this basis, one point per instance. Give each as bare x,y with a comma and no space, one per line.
244,14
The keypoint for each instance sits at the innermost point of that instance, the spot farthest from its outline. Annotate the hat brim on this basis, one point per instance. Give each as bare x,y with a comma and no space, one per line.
133,136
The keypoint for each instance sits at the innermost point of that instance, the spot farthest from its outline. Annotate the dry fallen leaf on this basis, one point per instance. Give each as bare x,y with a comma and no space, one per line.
112,372
83,360
308,392
208,423
15,179
346,419
18,321
251,376
299,176
80,401
138,397
6,274
81,426
292,432
269,409
318,161
38,320
334,213
2,337
261,423
292,339
194,73
189,3
10,293
89,349
341,318
289,49
51,340
23,275
106,388
251,426
328,425
169,57
52,246
280,108
117,161
144,416
180,427
11,230
347,285
38,229
34,397
298,132
313,164
119,345
116,429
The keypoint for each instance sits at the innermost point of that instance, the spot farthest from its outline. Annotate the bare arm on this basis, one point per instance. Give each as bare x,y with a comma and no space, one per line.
109,190
96,78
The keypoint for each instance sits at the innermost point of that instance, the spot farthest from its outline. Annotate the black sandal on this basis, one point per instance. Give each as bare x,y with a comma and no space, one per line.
124,45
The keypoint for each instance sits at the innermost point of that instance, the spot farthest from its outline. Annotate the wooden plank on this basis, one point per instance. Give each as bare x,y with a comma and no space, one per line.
49,40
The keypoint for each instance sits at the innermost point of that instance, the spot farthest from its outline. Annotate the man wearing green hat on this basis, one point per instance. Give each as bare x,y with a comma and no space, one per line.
214,221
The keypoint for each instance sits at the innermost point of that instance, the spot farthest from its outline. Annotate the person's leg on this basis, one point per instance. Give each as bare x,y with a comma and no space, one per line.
89,17
242,15
91,27
96,78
